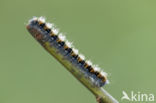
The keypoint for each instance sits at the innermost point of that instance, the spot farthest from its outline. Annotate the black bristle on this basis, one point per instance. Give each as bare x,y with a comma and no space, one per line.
96,73
68,50
82,62
89,68
61,43
48,30
54,37
34,22
75,56
42,25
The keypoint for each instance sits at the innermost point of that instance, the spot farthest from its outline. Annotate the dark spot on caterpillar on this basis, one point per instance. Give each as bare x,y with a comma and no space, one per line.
96,73
75,56
42,25
35,22
48,30
54,37
61,43
68,50
89,68
82,62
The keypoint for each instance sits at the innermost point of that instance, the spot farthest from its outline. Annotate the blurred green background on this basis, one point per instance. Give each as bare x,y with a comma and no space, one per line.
119,35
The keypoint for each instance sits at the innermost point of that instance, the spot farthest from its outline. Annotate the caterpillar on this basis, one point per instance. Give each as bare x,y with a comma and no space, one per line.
45,32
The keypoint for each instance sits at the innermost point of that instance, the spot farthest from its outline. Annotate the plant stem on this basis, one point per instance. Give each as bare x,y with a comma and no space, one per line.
101,95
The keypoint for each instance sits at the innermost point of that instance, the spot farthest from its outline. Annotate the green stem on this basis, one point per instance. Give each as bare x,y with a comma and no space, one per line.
101,95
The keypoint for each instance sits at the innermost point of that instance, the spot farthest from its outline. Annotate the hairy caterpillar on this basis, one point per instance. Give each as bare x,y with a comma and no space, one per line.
47,33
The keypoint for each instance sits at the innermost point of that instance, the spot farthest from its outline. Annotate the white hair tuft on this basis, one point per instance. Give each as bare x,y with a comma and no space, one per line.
76,51
82,56
69,44
103,73
42,19
55,31
62,37
49,25
89,62
96,68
